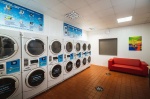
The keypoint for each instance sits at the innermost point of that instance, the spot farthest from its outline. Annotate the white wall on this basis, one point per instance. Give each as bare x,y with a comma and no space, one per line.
123,35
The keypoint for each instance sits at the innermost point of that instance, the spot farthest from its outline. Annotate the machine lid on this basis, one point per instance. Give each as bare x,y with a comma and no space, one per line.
8,47
89,59
35,77
84,61
56,47
78,63
56,71
84,47
69,66
8,86
89,46
35,47
69,47
78,47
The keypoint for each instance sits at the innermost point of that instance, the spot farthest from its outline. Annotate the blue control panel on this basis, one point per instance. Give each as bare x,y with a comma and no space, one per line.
60,58
79,55
71,56
43,61
13,66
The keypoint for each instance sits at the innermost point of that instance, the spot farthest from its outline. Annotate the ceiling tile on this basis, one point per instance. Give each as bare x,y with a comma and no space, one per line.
19,2
106,12
121,2
75,4
139,11
138,21
124,14
141,16
91,1
142,3
61,9
47,3
101,5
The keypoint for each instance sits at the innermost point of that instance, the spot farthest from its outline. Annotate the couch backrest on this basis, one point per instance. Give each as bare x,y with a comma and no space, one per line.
127,61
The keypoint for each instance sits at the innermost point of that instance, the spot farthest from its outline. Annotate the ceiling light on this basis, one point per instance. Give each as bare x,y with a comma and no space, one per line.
72,15
124,19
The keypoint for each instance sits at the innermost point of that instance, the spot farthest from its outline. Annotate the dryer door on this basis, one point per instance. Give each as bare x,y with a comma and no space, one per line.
35,77
89,47
8,47
78,47
34,47
69,66
78,63
8,86
84,61
84,47
56,71
69,47
89,59
55,47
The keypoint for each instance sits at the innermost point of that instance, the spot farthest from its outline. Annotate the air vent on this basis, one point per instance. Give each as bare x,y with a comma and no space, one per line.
72,15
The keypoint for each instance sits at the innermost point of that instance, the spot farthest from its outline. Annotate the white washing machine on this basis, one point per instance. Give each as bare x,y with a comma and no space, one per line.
10,65
68,58
84,55
34,64
55,61
88,54
78,56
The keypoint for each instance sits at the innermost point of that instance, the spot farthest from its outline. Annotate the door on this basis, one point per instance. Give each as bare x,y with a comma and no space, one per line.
84,61
35,78
78,63
8,47
89,59
56,71
55,47
84,47
78,47
69,66
69,47
35,47
89,47
8,86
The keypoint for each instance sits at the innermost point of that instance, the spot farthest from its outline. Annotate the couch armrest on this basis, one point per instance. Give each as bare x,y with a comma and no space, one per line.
144,67
110,63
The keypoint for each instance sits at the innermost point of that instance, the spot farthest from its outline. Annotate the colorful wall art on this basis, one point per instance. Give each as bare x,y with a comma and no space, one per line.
72,31
16,16
135,43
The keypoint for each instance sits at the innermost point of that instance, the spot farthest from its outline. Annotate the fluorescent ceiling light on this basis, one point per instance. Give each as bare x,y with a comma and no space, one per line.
124,19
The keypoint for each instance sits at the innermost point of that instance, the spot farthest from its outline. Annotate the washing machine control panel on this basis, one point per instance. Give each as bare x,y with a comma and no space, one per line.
34,61
79,55
43,61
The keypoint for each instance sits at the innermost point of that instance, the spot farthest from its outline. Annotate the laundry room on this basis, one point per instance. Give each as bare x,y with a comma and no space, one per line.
74,49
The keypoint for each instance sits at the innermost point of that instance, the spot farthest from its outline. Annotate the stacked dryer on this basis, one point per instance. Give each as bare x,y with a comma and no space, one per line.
69,58
34,64
88,54
10,65
78,56
55,61
84,55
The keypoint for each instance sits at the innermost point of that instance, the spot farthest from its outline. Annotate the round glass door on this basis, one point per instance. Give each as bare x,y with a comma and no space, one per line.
56,71
7,47
8,86
78,63
56,47
84,47
84,61
78,47
89,59
89,46
35,47
69,66
69,47
35,78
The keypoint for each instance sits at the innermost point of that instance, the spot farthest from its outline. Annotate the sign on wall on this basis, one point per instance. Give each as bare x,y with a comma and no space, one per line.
15,16
135,43
72,31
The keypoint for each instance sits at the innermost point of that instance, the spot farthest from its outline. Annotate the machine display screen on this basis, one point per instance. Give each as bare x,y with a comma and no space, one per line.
1,66
7,87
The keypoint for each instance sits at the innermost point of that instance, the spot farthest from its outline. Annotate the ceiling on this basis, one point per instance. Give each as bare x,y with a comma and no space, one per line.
96,14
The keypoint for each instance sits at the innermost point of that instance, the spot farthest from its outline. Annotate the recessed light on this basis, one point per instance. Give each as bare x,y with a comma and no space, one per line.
72,15
125,19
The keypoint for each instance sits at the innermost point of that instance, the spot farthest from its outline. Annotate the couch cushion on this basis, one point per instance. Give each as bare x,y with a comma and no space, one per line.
127,61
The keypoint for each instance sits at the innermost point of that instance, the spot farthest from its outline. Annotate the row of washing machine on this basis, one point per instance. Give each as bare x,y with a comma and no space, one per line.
31,63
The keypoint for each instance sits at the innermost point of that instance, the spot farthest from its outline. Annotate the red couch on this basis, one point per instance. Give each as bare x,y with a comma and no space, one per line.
132,66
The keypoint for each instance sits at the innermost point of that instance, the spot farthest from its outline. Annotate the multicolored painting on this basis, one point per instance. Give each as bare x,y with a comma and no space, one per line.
135,43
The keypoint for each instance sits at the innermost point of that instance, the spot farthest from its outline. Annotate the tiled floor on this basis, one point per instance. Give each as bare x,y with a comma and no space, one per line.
116,86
